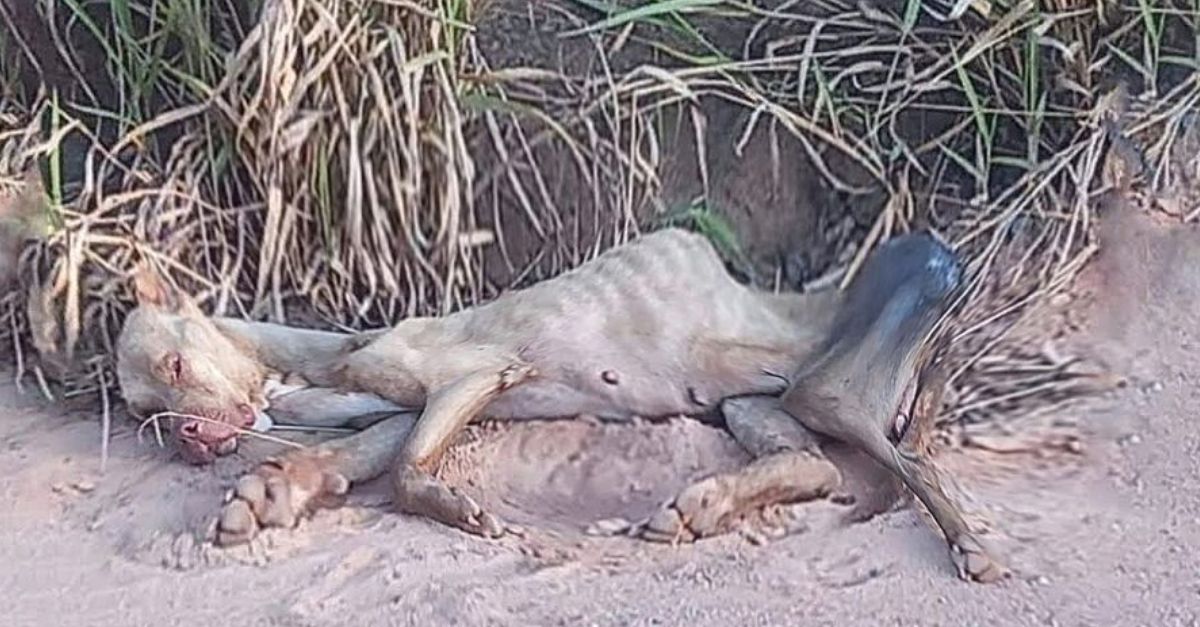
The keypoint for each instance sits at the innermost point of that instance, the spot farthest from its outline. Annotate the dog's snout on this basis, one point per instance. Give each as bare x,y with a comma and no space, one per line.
190,429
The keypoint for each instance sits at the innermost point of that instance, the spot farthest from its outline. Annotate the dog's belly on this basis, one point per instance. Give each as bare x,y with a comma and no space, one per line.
619,390
640,330
543,399
547,398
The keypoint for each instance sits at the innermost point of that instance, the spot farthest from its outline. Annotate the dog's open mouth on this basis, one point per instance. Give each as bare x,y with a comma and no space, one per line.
200,453
205,434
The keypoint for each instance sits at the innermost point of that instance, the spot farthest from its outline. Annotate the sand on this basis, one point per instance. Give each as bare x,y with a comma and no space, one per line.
1107,534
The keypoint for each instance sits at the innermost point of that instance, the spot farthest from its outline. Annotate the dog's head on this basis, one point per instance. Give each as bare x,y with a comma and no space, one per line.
173,358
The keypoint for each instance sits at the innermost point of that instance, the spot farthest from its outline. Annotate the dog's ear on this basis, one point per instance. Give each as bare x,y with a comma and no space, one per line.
153,290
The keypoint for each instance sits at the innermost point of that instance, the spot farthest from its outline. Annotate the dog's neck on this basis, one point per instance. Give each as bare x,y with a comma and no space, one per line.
283,350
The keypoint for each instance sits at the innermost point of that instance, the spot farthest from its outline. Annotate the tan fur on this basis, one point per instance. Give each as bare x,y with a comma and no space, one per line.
656,327
603,321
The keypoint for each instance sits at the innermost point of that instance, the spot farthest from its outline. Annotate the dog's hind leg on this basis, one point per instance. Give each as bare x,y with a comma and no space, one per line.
285,488
880,341
788,468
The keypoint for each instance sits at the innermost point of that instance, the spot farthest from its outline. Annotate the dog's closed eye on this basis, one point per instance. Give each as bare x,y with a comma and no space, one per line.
172,368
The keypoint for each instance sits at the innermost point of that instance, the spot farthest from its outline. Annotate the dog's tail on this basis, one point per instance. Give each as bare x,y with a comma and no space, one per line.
904,288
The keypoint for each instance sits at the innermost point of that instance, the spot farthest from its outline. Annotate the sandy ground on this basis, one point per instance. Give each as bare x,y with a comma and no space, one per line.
1111,536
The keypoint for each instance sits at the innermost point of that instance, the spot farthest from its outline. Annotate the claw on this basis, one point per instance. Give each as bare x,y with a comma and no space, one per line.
667,526
490,526
974,563
418,492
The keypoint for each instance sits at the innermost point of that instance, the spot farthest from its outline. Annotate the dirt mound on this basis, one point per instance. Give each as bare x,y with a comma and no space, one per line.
566,475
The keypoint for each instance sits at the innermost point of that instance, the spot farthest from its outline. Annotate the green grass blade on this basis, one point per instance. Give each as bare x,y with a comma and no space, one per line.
642,13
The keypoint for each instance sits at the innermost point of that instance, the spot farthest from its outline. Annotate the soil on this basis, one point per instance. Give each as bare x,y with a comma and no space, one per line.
1105,535
752,173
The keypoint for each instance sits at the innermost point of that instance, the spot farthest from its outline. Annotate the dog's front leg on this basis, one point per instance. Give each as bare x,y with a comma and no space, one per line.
329,407
285,488
449,409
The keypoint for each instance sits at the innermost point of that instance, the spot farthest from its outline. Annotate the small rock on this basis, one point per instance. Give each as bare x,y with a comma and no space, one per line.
608,527
1130,440
84,485
1157,386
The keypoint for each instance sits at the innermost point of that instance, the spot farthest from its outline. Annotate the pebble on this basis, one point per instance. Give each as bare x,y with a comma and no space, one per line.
608,527
1129,440
83,485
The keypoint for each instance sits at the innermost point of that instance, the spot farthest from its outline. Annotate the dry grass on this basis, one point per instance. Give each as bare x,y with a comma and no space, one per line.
353,163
